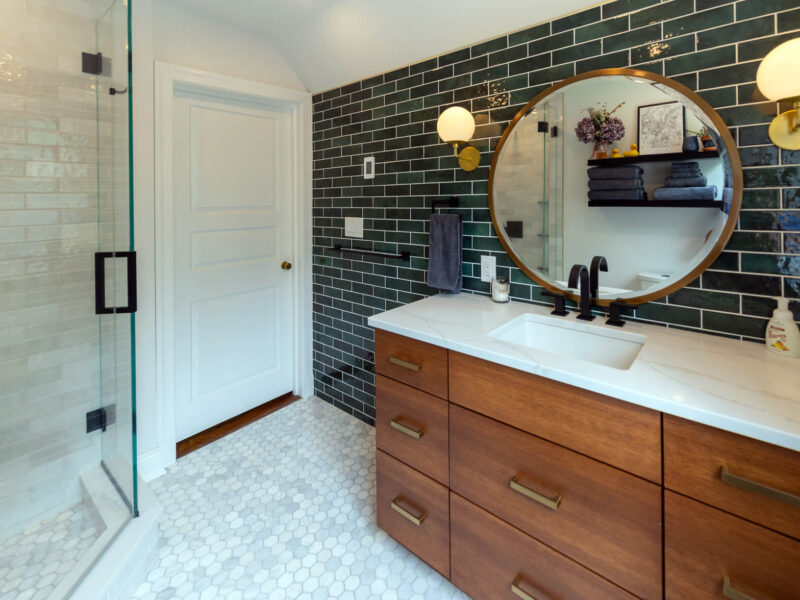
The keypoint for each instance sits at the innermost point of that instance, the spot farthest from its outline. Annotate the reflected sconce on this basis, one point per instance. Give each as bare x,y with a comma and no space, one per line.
779,81
456,126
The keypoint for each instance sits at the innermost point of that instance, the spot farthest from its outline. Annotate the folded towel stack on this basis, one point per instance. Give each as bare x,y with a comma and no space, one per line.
687,182
708,192
616,183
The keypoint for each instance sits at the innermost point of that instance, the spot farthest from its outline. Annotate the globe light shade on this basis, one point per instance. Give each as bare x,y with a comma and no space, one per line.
455,126
777,75
778,80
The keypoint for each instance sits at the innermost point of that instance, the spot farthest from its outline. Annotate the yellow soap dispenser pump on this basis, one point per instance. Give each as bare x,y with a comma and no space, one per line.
783,337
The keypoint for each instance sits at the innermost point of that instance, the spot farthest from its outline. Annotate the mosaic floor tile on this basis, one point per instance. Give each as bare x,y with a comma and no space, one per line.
284,508
33,561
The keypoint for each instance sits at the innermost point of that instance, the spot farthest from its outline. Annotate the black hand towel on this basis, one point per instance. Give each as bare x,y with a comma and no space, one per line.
617,195
686,181
615,184
631,172
686,193
444,263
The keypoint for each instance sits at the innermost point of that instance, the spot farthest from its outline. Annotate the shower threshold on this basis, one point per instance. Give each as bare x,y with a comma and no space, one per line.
48,559
109,514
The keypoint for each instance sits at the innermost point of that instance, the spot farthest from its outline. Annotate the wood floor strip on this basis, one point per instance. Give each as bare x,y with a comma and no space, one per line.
220,430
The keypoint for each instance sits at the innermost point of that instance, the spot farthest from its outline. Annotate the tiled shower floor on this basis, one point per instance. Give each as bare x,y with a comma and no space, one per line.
284,508
33,561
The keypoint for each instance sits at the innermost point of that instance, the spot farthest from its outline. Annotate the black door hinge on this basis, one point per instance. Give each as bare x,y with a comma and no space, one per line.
100,418
92,64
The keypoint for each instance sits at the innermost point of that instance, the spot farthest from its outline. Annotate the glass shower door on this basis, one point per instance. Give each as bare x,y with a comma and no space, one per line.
554,188
66,368
115,261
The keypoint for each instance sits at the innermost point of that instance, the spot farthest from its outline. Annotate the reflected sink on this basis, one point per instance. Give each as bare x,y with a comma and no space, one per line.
600,345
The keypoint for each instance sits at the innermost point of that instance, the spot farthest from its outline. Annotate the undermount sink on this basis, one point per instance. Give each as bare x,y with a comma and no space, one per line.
600,345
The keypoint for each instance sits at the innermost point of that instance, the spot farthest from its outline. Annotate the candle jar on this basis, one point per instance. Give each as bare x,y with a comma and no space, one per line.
500,288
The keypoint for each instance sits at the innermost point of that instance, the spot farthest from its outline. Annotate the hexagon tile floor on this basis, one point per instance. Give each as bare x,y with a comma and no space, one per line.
33,561
283,508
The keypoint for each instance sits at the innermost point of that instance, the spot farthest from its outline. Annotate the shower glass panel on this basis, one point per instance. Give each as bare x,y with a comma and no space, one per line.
115,233
64,369
554,188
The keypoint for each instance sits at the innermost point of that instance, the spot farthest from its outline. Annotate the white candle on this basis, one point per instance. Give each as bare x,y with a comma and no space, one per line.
500,288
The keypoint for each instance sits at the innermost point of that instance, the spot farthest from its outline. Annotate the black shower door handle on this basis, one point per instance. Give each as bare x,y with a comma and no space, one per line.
100,282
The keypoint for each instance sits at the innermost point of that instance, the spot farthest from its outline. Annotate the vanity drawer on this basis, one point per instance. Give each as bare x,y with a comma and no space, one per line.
749,478
489,556
705,545
615,432
604,518
415,511
421,365
412,426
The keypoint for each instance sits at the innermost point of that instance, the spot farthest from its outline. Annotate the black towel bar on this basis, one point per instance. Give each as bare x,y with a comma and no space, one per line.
451,202
404,255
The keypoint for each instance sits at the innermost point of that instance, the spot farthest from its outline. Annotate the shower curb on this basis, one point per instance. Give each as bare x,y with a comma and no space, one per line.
124,564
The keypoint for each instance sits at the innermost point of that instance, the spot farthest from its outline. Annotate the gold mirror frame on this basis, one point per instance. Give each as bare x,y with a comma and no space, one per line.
725,136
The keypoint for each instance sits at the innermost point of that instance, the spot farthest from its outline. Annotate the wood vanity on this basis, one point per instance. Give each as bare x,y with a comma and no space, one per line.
516,486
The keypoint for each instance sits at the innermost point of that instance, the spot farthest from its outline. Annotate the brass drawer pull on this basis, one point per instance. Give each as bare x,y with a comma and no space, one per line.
732,593
759,488
411,366
415,519
551,503
519,592
409,431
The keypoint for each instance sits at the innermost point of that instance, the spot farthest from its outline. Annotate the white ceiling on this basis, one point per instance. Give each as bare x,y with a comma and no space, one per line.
333,42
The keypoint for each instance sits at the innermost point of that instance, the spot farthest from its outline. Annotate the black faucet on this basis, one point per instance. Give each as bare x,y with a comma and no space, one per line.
599,263
580,272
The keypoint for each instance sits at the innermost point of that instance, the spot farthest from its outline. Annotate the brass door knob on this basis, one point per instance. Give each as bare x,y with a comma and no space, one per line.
285,265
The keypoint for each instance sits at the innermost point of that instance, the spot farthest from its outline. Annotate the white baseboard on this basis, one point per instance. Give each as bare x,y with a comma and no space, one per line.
308,386
151,464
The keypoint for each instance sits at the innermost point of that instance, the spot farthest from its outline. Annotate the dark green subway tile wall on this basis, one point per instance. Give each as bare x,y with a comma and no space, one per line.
712,46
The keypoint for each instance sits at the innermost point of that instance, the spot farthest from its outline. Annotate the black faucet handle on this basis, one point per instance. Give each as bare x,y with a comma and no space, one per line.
615,313
559,303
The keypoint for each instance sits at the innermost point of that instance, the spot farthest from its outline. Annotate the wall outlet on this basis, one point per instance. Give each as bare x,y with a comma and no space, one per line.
488,267
354,227
369,167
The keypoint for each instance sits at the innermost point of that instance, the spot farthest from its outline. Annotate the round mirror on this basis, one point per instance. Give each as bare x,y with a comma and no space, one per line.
622,164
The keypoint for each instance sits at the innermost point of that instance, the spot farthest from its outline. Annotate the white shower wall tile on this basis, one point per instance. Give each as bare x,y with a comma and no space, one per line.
49,334
284,508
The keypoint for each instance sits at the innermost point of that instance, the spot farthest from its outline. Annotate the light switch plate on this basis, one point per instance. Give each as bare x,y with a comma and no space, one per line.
369,167
488,267
354,227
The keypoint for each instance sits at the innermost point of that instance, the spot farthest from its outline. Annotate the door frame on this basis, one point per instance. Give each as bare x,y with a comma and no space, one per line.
167,77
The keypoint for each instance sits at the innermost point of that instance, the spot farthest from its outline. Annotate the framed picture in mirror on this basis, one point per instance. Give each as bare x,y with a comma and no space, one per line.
662,128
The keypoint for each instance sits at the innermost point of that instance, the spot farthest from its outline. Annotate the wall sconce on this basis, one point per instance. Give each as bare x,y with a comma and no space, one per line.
456,126
778,80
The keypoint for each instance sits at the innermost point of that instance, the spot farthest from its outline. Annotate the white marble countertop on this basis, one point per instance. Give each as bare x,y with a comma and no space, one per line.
736,386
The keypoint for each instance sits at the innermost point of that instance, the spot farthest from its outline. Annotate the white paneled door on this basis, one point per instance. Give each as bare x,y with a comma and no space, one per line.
232,242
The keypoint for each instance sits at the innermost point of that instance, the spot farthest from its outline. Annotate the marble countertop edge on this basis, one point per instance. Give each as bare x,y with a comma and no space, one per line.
669,375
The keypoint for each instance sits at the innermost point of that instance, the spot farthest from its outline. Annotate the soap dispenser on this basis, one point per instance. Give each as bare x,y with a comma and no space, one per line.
783,337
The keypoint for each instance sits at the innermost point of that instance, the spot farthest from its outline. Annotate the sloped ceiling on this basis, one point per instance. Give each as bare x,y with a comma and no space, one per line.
333,42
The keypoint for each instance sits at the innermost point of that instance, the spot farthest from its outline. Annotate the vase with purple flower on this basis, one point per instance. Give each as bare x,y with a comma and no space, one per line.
600,129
